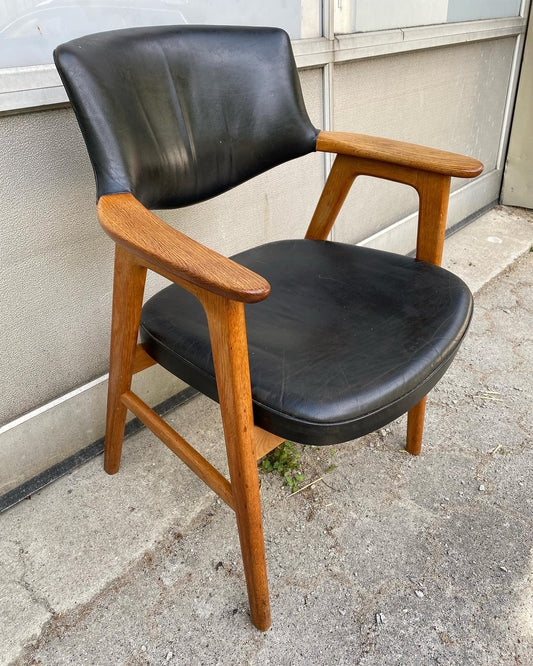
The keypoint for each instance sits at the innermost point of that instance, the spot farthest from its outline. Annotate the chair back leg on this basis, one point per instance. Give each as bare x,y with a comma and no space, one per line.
434,194
415,428
128,290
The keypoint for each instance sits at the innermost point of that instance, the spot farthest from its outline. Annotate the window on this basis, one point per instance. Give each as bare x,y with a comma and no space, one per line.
31,29
367,15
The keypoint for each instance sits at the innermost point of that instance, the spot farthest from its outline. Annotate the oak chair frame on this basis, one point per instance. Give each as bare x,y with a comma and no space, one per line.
143,241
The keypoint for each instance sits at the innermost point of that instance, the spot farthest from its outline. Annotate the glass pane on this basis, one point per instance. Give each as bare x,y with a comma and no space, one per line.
470,10
366,15
311,18
31,29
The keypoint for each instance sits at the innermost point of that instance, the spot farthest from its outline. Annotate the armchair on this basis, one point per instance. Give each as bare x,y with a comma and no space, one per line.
305,339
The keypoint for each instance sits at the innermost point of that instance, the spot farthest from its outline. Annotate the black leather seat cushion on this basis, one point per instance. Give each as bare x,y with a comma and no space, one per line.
349,339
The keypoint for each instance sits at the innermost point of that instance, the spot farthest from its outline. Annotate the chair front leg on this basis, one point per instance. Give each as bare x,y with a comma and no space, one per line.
230,355
128,290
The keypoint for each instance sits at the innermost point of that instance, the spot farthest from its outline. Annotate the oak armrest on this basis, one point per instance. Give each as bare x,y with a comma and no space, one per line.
175,255
400,153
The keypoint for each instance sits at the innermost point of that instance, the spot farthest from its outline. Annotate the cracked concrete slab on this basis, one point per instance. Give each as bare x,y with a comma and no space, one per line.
88,530
389,559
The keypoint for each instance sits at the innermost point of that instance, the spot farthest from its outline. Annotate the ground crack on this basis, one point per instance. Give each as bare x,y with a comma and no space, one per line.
37,598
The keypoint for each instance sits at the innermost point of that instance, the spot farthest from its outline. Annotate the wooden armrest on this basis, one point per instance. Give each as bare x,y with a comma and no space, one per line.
174,255
397,152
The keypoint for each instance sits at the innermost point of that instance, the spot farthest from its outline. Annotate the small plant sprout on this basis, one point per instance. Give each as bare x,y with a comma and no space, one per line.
285,460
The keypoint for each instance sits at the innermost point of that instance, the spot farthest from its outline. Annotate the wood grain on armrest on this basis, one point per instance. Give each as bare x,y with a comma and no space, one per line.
397,152
175,255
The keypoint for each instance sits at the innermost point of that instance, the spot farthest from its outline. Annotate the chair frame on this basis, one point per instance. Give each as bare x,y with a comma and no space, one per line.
144,241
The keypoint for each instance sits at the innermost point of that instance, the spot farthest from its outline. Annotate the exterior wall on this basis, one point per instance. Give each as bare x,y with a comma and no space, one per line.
56,263
518,179
56,275
451,97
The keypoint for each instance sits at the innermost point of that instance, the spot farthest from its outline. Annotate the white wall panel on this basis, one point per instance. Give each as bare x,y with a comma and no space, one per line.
518,178
56,262
451,98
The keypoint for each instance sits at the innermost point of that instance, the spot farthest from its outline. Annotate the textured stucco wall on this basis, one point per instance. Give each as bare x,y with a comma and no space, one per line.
451,98
56,263
518,179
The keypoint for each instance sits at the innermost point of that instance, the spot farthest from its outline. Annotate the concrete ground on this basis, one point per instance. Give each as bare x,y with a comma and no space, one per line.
388,559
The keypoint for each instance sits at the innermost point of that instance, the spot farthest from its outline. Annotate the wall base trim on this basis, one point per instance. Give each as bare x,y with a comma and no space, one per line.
26,489
59,429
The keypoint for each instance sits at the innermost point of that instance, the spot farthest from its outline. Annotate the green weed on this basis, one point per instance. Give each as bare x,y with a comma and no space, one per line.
285,460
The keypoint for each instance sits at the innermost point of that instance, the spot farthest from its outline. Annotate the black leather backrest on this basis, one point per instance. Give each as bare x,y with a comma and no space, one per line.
177,114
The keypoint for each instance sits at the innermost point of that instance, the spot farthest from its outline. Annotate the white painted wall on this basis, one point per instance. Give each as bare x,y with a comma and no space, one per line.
451,98
56,262
518,178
